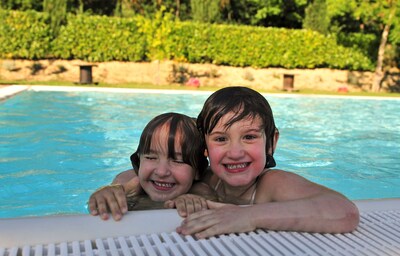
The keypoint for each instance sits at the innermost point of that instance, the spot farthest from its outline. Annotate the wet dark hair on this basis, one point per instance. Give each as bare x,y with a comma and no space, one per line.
192,142
245,103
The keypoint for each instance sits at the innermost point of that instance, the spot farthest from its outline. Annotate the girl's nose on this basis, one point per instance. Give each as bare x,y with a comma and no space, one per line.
236,150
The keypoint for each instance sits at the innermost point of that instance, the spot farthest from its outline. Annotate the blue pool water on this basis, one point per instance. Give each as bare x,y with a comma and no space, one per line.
56,148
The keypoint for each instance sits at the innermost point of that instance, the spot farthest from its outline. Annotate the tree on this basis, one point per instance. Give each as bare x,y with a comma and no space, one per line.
205,10
379,74
380,17
124,8
316,17
272,13
21,4
57,10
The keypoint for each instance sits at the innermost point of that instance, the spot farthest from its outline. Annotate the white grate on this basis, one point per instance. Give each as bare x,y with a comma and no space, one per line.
377,234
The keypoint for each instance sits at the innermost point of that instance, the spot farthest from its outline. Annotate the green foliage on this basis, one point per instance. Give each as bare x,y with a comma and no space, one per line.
22,5
124,9
368,44
272,13
159,33
100,38
395,33
57,9
316,17
264,47
205,10
97,38
24,35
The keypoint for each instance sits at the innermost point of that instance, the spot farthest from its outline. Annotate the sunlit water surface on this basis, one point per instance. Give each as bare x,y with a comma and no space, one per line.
56,148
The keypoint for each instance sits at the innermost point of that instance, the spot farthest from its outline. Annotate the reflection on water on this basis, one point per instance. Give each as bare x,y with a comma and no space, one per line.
56,148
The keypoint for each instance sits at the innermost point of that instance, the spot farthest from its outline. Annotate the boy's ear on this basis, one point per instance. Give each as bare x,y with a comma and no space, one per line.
205,152
135,160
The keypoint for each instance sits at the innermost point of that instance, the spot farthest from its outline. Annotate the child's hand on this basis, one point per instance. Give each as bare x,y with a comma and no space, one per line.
111,198
220,219
187,204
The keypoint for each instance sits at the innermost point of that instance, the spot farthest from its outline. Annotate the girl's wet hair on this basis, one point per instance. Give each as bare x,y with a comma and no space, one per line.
192,142
245,103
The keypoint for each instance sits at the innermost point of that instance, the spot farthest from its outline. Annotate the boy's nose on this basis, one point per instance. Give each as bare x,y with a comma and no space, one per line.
162,170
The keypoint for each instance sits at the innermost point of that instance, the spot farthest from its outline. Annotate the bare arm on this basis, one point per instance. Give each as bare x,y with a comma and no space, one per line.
284,201
112,198
298,204
130,182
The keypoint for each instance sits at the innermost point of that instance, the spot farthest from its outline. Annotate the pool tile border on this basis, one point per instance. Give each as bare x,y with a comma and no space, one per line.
11,90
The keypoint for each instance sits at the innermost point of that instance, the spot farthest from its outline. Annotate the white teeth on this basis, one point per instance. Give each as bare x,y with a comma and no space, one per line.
164,185
236,166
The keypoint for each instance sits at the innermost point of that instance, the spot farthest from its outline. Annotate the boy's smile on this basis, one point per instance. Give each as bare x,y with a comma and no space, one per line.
163,185
160,176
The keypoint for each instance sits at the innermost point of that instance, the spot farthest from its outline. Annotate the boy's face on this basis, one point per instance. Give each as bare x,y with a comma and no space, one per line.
237,154
161,177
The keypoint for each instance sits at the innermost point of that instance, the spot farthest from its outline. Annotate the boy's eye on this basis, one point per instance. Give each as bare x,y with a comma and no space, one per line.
178,161
149,157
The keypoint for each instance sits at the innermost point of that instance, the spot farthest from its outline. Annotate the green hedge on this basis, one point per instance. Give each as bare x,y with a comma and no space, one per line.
25,35
96,38
265,47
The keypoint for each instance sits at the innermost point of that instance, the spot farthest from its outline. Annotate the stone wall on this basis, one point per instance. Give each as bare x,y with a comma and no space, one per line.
161,73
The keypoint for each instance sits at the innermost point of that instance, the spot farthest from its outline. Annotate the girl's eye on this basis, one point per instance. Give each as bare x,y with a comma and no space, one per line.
220,139
250,137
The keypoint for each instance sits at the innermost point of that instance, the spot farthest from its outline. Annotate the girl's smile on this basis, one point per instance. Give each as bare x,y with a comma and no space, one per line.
237,153
235,168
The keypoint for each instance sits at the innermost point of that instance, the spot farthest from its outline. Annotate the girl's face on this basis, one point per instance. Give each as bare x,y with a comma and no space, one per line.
237,154
163,178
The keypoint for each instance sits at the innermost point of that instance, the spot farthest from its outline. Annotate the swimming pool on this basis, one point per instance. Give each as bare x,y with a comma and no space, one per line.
58,147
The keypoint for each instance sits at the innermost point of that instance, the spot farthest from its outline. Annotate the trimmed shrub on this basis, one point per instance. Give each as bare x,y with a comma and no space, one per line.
101,38
24,35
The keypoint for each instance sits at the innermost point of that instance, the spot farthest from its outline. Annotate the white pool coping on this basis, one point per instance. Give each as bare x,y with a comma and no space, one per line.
144,232
11,90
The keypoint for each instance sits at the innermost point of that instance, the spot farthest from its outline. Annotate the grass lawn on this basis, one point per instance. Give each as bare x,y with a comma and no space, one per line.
202,88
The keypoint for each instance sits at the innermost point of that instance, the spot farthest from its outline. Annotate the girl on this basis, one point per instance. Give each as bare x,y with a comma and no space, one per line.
170,156
240,134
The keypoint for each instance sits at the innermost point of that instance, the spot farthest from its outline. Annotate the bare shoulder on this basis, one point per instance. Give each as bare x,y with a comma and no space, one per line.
276,176
283,185
124,177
